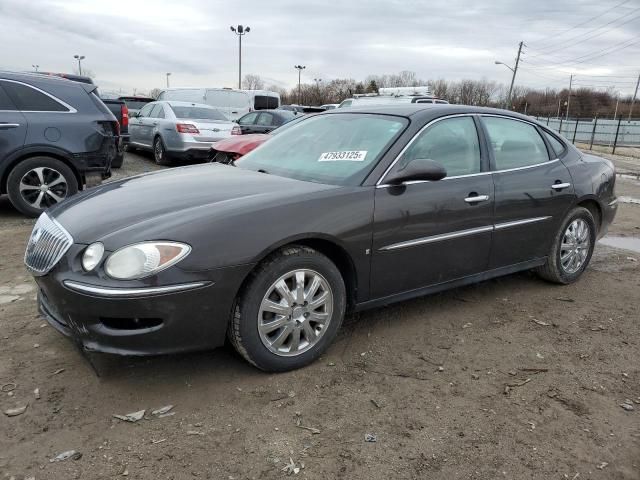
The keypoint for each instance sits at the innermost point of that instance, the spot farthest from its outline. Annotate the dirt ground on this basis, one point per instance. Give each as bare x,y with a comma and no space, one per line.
512,378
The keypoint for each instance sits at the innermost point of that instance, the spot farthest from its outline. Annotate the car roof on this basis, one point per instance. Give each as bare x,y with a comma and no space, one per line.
425,110
32,76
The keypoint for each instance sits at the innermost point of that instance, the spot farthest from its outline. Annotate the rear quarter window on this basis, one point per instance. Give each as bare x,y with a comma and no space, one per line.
28,99
556,145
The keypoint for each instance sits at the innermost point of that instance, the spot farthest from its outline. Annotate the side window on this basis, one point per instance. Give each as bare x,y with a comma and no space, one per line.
557,146
346,103
5,101
155,111
248,119
265,119
29,99
515,144
452,142
441,102
146,110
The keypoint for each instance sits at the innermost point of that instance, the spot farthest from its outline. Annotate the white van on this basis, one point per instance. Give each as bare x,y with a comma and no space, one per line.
233,103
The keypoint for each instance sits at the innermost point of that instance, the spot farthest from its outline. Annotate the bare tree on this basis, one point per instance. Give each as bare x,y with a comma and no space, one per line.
154,93
252,81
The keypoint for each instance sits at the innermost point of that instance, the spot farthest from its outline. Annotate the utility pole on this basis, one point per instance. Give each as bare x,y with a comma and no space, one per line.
299,68
513,77
240,31
635,94
569,98
559,102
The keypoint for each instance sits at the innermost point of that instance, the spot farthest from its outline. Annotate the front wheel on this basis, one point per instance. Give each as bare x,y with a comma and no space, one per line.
571,249
290,310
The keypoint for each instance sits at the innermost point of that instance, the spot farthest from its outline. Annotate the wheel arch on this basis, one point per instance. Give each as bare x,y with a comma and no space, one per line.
26,155
592,204
329,247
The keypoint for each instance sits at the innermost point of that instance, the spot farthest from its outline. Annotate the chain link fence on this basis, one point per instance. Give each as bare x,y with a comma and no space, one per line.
603,132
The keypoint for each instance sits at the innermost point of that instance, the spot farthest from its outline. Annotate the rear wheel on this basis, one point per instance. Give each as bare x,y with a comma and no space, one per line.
571,249
290,310
159,152
38,183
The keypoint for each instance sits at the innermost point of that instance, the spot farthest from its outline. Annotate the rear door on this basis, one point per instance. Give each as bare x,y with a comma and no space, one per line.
13,126
533,191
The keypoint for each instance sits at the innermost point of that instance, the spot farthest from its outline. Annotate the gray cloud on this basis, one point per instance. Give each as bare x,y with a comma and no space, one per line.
133,43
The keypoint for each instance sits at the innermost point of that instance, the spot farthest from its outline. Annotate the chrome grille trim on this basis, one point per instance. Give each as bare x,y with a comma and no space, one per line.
48,243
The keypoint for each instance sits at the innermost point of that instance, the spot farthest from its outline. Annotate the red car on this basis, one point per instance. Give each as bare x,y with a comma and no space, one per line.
230,149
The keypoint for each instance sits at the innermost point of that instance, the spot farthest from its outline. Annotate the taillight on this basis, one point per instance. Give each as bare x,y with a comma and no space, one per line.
125,115
186,128
236,130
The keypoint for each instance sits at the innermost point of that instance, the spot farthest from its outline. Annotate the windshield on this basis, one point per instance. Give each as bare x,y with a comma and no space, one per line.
200,113
332,149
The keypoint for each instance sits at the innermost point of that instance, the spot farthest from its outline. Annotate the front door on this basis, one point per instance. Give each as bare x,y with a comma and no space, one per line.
533,191
138,126
426,233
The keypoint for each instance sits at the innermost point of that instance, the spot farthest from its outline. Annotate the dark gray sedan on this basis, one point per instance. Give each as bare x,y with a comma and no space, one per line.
346,210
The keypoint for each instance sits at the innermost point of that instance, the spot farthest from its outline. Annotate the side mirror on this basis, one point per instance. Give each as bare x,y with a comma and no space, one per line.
418,169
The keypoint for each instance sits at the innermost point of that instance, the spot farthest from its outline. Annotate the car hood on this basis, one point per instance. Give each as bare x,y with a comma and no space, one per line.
241,144
166,200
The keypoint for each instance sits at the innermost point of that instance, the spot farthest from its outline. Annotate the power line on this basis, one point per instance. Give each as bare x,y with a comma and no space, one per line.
564,47
590,56
586,21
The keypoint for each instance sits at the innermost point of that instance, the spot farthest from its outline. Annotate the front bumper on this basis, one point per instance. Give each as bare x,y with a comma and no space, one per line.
140,320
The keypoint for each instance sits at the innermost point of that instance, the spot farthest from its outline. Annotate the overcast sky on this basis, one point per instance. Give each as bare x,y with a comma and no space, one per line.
131,44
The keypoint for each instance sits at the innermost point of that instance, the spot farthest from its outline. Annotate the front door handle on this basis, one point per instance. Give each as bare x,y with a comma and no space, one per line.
560,186
477,198
7,126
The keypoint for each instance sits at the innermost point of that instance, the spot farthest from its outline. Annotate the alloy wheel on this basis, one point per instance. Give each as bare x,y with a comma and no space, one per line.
295,312
575,246
43,187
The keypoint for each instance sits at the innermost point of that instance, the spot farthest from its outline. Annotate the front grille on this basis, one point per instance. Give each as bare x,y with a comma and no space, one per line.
49,241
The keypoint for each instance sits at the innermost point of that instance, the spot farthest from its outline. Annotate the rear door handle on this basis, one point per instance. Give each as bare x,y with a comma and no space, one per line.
560,186
477,199
7,126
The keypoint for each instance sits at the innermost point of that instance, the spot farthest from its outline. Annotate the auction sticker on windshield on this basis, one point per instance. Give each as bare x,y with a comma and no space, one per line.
347,156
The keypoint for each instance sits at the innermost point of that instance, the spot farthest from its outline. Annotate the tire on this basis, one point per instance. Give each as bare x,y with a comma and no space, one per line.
561,271
118,161
313,337
159,152
35,172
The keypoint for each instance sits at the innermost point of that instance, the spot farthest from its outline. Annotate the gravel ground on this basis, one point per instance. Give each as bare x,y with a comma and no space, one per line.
511,378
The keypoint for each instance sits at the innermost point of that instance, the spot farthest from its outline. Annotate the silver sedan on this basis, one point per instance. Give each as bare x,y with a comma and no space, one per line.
181,130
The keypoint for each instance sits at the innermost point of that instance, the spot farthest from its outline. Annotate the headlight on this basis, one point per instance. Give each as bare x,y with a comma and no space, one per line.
92,256
144,259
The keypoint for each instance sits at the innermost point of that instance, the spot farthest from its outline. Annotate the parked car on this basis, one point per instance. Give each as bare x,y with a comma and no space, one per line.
117,107
230,150
263,121
343,211
372,100
56,137
178,130
134,103
302,108
232,103
330,106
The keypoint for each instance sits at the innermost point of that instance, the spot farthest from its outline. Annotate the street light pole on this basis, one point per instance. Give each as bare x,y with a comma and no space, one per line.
299,68
635,94
168,75
566,115
79,58
35,67
240,31
513,77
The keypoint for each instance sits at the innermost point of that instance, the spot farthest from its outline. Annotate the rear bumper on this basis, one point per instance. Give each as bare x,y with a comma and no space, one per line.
608,214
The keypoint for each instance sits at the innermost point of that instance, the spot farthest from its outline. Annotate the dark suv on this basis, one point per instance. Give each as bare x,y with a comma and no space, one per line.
56,137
